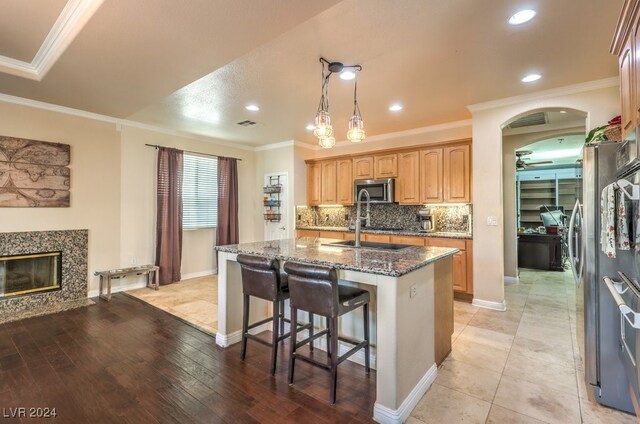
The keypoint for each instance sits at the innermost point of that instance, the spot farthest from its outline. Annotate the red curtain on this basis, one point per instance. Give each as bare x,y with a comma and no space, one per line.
227,231
169,222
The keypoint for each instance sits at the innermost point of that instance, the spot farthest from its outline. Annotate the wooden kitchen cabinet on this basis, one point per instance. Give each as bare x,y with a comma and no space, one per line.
626,45
462,264
307,233
331,234
379,238
363,168
345,182
329,183
457,174
431,187
385,166
314,184
412,240
408,182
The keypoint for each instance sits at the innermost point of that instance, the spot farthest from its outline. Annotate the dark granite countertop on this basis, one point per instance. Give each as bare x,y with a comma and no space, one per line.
394,263
392,232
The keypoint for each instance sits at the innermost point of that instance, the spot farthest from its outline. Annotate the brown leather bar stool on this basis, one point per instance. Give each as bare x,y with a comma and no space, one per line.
315,289
261,278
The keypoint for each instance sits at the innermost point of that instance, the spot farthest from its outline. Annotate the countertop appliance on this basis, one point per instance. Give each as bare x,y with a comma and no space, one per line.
426,219
380,191
598,316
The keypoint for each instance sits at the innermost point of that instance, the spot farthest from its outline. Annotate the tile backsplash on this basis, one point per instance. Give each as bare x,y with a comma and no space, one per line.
455,218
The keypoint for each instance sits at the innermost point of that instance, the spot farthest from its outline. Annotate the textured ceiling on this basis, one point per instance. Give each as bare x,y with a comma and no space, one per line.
194,67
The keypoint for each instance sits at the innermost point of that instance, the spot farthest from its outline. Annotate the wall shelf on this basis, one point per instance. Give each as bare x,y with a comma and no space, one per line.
271,200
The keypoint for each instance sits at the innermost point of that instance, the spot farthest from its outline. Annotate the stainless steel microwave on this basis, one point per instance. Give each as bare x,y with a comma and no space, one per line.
627,156
380,191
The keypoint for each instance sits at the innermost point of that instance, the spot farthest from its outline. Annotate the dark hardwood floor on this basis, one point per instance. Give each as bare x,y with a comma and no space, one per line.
126,362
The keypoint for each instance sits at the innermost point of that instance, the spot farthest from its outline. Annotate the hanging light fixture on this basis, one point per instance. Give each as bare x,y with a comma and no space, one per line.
356,125
323,128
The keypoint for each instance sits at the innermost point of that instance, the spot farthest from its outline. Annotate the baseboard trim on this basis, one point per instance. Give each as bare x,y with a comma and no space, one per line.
385,415
198,274
117,289
487,304
226,340
511,280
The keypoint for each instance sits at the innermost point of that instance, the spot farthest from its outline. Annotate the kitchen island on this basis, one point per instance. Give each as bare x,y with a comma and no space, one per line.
404,285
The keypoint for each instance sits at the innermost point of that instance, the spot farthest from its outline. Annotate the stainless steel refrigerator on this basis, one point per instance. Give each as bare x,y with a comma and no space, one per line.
598,316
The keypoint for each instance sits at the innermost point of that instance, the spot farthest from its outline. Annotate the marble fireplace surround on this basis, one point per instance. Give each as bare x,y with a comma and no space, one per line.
74,247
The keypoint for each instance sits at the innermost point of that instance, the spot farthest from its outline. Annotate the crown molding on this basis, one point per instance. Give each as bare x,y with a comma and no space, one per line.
119,123
72,19
406,133
545,94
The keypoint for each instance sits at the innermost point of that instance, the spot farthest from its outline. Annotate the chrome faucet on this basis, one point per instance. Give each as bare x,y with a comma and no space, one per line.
359,218
315,217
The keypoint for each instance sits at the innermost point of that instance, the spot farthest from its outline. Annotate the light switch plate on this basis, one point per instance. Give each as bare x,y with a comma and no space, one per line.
492,220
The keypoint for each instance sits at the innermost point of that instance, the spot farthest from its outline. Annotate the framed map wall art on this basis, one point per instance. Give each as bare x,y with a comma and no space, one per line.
34,174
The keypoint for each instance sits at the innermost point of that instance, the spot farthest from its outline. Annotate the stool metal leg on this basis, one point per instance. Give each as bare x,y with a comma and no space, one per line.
281,317
292,341
328,335
245,324
276,334
333,329
367,349
311,331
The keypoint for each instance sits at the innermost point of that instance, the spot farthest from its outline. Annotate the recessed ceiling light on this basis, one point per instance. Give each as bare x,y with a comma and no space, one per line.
563,111
531,78
252,108
394,108
522,17
347,75
310,127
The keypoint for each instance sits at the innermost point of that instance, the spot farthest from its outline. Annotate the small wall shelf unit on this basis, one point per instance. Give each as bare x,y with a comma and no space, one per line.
271,200
550,187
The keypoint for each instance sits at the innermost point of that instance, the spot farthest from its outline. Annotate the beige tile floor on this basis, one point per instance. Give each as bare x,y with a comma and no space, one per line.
194,300
517,366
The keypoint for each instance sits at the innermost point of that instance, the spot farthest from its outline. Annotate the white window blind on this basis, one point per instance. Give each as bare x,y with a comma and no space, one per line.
199,192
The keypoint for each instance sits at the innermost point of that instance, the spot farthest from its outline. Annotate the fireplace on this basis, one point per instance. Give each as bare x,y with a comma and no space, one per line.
30,273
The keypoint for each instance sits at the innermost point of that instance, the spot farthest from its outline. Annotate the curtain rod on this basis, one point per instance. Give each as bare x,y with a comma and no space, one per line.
189,151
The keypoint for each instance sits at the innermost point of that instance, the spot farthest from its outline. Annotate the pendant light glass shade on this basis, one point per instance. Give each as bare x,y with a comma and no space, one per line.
356,129
327,142
323,125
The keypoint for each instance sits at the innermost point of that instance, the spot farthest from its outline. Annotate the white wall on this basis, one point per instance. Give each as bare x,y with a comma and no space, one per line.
599,100
113,189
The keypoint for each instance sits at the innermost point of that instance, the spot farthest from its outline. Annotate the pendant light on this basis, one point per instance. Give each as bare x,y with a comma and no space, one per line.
323,128
356,125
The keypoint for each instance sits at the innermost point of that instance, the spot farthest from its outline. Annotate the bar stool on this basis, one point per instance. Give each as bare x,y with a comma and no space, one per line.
261,278
315,289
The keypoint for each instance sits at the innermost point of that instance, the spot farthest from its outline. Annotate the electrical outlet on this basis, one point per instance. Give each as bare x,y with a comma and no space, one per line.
413,290
492,220
465,219
299,217
346,216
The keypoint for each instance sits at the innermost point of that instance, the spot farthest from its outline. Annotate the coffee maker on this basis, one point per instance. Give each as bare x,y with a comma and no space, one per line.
426,219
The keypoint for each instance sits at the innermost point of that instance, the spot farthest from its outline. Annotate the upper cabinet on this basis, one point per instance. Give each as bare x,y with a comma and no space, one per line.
314,184
457,174
385,166
424,174
431,188
363,168
329,185
408,183
626,45
345,182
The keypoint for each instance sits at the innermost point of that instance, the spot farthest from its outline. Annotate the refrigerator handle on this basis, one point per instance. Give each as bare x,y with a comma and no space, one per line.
631,316
571,241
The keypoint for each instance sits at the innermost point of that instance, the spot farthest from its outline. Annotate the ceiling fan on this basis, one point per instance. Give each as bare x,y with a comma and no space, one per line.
521,164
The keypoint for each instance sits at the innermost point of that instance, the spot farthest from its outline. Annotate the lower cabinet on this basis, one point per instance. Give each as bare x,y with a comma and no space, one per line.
380,238
462,264
331,234
307,233
415,241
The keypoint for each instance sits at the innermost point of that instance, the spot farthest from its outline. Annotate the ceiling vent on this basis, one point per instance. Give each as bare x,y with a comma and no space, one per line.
246,123
539,118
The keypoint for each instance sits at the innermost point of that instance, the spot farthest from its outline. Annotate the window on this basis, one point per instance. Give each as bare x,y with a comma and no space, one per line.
199,192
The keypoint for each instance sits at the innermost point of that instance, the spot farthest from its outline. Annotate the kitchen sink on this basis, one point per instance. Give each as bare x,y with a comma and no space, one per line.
369,245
